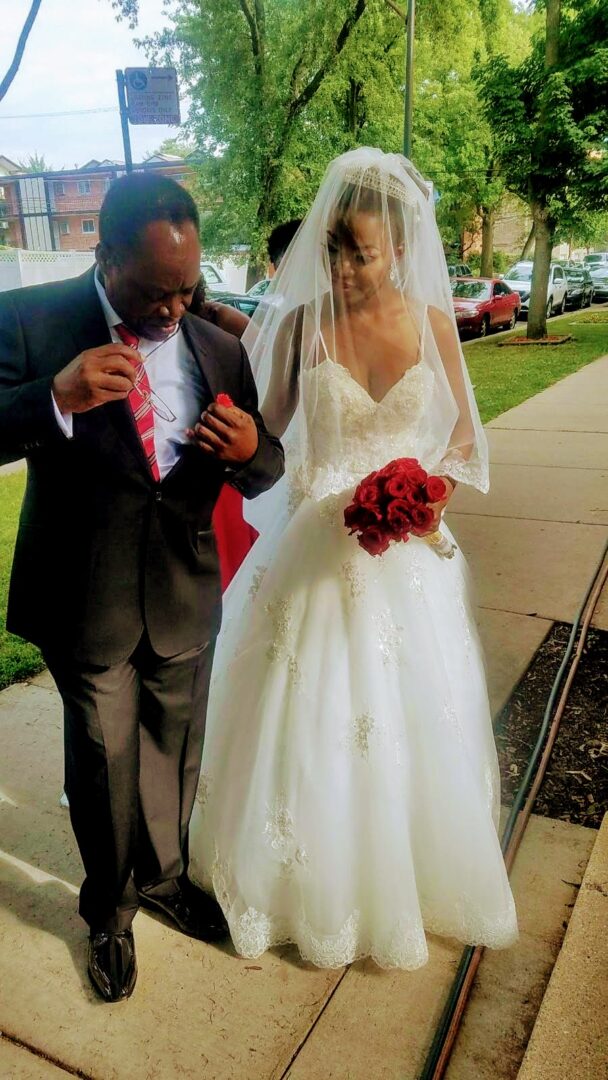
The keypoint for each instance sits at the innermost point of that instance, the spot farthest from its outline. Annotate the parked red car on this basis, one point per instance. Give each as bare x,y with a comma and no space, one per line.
484,304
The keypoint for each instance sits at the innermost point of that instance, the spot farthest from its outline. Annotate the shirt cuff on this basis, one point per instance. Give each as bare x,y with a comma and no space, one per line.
65,421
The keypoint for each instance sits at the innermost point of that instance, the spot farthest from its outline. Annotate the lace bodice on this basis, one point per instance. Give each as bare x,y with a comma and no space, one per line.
351,433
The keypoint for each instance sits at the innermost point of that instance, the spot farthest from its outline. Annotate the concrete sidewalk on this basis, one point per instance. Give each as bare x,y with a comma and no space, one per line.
198,1010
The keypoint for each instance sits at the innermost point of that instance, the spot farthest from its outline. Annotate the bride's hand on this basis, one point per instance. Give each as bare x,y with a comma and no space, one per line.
438,508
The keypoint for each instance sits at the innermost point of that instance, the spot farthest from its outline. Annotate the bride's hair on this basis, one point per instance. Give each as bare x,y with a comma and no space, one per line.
359,198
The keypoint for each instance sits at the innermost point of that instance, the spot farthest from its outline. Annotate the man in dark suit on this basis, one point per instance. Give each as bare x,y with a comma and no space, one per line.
108,387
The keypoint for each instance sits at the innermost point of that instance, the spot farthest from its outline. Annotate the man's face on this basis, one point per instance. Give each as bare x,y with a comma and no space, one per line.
151,286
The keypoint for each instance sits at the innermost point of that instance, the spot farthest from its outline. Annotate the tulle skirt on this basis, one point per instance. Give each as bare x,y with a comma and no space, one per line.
349,792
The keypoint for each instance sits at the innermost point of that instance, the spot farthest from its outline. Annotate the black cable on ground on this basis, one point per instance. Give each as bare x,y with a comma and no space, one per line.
472,953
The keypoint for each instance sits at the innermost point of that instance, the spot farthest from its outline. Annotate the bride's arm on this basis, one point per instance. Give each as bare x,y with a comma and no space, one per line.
281,396
463,434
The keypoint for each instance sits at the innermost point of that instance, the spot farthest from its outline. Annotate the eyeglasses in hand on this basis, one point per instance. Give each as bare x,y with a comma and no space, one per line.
156,403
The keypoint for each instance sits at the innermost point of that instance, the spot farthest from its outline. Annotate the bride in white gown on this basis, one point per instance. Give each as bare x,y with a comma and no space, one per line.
349,792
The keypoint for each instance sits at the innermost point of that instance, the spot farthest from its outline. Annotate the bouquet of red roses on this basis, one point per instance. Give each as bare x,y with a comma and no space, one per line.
393,502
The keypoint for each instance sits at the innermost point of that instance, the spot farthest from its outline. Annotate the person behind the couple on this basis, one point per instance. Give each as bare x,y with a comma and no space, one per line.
108,387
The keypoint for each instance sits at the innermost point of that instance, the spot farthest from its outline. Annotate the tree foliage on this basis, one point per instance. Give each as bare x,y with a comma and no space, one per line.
279,87
35,163
549,121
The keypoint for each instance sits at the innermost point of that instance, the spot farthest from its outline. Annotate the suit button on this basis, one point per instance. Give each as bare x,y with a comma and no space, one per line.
158,496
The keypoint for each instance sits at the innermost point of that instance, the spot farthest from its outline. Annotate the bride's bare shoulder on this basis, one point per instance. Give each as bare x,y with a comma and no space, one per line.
441,324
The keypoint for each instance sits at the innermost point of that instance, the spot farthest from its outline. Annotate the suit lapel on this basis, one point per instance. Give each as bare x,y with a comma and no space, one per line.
89,329
194,331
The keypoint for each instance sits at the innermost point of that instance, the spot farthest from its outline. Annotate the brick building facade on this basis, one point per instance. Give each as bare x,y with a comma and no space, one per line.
59,211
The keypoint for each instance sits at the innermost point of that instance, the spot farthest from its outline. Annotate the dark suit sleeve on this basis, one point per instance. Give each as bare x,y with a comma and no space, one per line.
27,417
268,463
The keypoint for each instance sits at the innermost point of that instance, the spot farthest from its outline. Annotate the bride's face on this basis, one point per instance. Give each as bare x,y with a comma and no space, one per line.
361,253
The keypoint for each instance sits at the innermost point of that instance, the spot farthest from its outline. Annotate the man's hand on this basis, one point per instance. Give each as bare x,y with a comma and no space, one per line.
95,377
228,433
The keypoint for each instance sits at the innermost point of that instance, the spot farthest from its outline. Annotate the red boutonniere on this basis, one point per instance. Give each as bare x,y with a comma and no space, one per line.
225,400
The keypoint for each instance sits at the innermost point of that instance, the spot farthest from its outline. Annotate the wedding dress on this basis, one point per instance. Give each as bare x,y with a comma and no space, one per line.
349,793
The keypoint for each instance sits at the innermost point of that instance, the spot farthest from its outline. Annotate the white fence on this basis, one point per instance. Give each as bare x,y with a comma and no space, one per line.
18,267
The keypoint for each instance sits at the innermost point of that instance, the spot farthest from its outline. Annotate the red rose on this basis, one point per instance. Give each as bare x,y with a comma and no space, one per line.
399,516
225,400
368,493
360,517
415,496
398,486
374,540
416,475
422,517
436,489
399,465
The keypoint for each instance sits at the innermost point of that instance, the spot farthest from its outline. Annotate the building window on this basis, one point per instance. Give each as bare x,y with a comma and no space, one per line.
88,225
59,188
84,187
64,228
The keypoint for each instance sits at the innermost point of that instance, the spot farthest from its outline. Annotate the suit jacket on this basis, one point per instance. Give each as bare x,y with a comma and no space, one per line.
103,551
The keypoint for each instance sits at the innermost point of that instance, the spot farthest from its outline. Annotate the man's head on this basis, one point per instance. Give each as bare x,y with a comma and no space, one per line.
278,242
149,252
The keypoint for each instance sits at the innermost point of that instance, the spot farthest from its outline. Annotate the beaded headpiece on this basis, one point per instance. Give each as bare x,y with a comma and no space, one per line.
385,182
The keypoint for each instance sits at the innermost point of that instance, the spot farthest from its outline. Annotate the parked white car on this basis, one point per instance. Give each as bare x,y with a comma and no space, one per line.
595,259
519,278
214,282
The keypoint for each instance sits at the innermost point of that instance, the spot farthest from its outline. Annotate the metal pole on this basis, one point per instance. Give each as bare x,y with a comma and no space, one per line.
124,120
409,78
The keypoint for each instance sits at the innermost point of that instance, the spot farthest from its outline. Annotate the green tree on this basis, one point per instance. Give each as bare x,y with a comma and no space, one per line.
253,69
549,118
35,163
178,146
453,142
279,87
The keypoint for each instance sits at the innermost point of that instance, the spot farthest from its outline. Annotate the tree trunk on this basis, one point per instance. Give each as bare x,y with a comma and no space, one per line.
544,228
256,270
353,108
537,311
528,245
552,31
487,243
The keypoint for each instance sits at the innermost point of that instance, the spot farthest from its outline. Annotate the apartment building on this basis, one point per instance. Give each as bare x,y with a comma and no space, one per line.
59,211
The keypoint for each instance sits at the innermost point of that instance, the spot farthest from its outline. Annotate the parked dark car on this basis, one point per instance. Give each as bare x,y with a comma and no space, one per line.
484,304
599,277
459,270
259,288
580,286
241,301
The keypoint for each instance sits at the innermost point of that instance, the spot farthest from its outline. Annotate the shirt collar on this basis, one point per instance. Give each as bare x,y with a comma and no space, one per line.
111,317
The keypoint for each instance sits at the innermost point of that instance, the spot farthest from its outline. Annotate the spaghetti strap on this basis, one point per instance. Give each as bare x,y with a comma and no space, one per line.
322,340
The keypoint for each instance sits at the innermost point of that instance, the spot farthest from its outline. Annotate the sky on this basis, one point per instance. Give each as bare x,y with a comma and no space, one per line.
70,62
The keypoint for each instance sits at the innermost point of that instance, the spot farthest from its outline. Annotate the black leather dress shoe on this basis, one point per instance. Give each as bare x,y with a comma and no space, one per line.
112,964
192,911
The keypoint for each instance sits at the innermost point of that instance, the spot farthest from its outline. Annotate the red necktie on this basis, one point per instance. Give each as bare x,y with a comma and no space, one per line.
139,400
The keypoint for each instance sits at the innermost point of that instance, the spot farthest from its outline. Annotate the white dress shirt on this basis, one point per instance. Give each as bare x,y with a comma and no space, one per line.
173,374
